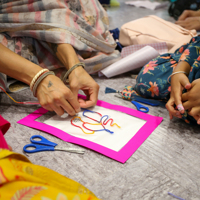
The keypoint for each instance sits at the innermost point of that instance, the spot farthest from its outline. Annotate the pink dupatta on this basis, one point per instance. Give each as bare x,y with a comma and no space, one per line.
4,126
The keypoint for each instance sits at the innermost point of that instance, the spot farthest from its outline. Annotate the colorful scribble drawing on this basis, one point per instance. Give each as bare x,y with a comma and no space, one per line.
100,122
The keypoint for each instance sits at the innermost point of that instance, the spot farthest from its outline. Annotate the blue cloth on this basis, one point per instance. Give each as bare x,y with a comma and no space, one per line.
115,34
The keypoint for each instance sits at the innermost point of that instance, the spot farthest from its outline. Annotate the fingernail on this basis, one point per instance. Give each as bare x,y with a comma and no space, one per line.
78,110
180,107
65,115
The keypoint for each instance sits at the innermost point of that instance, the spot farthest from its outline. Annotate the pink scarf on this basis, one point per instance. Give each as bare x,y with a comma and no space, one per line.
4,126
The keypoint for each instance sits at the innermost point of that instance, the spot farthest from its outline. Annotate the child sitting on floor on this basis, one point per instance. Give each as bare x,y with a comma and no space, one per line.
175,77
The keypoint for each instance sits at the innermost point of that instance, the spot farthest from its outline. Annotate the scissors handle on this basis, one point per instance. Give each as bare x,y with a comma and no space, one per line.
43,141
38,148
146,101
140,107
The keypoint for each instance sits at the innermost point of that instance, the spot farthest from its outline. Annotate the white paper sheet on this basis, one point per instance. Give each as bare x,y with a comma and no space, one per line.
115,141
131,62
147,4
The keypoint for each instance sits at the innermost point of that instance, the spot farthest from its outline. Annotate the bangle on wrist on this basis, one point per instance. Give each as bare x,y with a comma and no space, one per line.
36,77
178,72
38,81
65,77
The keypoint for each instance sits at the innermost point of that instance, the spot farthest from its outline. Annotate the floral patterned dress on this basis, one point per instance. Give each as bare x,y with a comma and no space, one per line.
152,81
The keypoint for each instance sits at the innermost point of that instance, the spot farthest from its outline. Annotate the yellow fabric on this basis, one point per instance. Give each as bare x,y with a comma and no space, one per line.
20,179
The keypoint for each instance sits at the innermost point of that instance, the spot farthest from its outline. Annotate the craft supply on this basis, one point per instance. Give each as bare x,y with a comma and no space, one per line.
80,126
161,47
111,123
25,102
46,145
139,106
175,196
133,61
99,122
119,146
85,110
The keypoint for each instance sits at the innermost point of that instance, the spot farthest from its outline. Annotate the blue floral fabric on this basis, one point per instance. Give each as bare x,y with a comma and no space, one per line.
152,81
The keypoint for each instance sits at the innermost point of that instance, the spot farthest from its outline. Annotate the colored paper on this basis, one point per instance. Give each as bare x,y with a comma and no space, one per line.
148,4
132,138
160,47
133,61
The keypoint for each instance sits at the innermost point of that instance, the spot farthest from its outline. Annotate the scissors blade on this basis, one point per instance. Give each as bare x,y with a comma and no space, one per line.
72,150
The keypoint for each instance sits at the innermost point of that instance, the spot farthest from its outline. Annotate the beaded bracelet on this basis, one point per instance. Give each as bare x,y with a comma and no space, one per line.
174,74
71,69
36,77
38,81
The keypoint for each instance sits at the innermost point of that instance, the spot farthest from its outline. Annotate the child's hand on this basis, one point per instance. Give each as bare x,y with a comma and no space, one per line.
178,83
192,100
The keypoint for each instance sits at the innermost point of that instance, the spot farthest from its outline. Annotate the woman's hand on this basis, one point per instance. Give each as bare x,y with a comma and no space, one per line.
79,79
188,13
192,100
178,83
190,23
53,95
189,19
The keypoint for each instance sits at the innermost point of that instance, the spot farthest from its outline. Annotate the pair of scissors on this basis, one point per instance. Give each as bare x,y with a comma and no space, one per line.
139,106
46,145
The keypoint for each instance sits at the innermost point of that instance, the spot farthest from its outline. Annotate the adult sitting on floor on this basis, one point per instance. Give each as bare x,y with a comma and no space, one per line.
56,35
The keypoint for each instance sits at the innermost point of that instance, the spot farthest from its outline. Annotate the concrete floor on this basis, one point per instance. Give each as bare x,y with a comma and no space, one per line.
168,161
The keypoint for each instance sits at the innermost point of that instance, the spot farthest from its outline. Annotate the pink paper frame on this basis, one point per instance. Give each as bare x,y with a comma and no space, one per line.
124,154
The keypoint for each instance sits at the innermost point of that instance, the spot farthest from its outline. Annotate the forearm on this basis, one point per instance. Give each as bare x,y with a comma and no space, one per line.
66,54
16,66
183,66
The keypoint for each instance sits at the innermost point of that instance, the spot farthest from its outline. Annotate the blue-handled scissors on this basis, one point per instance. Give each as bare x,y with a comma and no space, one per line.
46,145
139,106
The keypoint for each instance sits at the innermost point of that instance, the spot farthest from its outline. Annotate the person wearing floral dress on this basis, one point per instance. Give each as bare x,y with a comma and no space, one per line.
174,78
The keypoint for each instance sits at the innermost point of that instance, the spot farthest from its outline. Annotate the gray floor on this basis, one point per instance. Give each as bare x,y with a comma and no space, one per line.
168,161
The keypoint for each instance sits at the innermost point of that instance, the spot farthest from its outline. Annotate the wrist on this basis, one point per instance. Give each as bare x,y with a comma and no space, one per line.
73,71
183,66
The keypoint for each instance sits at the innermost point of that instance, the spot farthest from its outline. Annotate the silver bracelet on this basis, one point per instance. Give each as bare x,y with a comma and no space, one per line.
64,79
174,74
38,81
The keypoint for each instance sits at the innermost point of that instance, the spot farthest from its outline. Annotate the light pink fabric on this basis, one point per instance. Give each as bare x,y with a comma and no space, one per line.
4,126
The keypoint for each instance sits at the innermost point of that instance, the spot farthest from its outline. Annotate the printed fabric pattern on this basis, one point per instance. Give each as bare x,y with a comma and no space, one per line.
152,81
26,28
20,179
